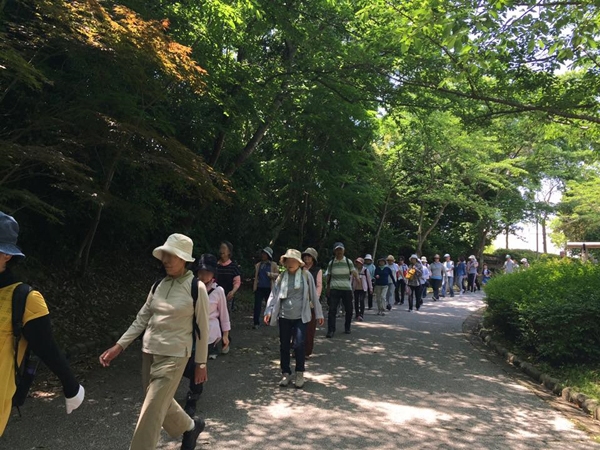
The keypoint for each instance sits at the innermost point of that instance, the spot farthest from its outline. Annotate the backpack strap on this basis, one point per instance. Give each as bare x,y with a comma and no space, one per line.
19,302
195,299
155,285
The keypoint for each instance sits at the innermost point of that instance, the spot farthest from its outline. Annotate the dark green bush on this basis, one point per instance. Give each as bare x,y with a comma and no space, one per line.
553,309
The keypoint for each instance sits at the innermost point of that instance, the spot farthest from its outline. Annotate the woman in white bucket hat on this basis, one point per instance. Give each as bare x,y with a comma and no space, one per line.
289,306
166,319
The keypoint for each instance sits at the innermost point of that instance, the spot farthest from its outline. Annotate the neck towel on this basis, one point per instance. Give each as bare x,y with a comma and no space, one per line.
285,282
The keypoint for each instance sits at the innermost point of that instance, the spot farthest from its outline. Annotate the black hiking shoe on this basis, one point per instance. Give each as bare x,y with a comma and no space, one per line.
329,334
190,437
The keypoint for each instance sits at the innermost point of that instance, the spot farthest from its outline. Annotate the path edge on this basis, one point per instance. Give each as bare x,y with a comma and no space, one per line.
473,326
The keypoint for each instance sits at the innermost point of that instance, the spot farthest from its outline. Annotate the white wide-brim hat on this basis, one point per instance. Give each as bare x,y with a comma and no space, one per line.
292,254
177,244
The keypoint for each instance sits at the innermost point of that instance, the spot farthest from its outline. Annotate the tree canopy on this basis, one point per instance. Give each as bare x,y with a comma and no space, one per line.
422,126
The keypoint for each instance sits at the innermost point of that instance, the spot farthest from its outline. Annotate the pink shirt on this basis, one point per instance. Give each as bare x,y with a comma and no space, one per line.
318,282
364,282
217,313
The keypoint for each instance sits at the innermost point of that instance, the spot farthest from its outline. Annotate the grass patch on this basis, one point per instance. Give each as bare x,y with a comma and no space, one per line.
582,378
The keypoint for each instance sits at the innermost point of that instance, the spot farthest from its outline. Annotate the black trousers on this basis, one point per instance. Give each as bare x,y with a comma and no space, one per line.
336,297
401,288
359,303
471,282
416,295
370,299
436,285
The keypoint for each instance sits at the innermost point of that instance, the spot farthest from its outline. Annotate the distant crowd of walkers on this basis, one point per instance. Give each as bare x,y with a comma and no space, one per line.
185,320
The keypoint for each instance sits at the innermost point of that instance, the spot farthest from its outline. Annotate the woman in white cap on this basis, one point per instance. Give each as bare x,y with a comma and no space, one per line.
393,281
472,268
289,306
310,257
361,287
35,330
370,266
265,273
170,324
425,277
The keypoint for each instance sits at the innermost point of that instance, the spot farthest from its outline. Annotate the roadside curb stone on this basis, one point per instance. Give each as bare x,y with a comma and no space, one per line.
473,325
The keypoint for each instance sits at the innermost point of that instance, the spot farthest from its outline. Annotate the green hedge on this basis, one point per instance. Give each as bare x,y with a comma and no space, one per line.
552,309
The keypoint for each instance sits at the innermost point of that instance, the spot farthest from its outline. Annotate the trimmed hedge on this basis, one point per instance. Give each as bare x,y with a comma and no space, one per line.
551,309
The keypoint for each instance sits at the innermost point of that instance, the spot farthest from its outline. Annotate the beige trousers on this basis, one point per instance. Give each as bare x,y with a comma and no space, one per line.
160,376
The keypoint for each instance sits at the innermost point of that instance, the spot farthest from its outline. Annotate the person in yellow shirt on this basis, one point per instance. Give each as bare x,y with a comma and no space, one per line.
37,330
166,319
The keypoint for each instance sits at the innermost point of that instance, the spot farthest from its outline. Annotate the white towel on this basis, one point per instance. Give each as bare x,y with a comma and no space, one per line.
285,282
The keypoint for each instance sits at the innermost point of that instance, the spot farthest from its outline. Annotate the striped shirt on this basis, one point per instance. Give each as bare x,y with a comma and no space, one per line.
340,272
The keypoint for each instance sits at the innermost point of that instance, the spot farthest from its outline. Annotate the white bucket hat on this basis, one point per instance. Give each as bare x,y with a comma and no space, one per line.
268,251
368,257
292,254
414,256
177,244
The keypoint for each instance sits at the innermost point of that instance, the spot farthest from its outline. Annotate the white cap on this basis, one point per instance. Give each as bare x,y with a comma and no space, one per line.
447,255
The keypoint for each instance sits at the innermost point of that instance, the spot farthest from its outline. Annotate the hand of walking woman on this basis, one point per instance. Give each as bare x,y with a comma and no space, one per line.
267,319
110,354
200,375
321,322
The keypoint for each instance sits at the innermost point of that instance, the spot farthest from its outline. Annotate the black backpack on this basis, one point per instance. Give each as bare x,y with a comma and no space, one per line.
191,365
24,373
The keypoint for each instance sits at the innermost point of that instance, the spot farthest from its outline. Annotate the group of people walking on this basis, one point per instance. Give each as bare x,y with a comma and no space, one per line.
185,320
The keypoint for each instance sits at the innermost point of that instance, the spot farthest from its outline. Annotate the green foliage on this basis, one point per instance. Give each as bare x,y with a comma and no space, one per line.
552,309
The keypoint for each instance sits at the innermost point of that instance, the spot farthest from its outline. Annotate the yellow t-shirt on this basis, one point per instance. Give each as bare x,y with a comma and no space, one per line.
36,307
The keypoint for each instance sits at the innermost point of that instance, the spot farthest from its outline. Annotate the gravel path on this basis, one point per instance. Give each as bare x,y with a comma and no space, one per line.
403,381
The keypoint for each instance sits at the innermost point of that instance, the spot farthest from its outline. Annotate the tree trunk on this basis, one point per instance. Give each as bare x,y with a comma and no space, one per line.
422,236
507,230
325,232
381,222
219,141
482,238
282,224
257,137
83,255
303,221
544,235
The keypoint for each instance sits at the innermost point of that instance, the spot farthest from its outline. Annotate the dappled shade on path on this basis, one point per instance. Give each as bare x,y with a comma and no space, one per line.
406,380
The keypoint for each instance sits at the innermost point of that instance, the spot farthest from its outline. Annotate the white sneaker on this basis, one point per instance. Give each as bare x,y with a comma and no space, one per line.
212,356
299,383
75,402
285,381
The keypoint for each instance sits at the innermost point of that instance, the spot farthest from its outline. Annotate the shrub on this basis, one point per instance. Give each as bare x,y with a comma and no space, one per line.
553,308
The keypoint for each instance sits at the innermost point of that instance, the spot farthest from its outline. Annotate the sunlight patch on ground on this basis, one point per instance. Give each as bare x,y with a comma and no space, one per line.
400,413
514,386
562,424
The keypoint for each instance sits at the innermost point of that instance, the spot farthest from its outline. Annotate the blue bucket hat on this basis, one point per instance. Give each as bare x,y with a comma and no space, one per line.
9,232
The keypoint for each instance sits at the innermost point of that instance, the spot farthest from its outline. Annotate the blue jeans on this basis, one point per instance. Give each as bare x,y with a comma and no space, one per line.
449,284
288,329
